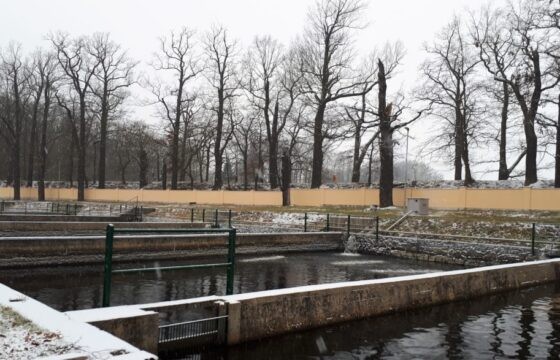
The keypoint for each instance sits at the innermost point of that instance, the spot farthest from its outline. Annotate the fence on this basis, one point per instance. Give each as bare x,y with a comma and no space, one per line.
460,198
533,236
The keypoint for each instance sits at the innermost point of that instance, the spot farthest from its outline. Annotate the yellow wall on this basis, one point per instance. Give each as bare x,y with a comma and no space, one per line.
461,198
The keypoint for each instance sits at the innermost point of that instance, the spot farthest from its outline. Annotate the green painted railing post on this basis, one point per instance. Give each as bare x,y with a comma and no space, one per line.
305,222
216,225
229,218
203,212
192,215
533,235
108,265
377,228
67,209
348,225
328,223
232,234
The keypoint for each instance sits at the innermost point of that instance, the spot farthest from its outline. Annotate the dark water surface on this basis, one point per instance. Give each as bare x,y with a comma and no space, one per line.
80,287
515,325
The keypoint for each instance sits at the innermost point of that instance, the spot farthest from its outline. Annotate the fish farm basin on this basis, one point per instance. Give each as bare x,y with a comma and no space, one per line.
80,287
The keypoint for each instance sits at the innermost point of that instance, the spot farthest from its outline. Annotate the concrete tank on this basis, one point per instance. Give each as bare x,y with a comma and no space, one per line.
418,205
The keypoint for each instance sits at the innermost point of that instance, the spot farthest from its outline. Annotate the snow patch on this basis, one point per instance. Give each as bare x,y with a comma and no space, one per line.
260,259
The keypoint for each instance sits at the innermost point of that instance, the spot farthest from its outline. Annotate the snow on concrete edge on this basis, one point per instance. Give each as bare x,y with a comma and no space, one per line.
88,338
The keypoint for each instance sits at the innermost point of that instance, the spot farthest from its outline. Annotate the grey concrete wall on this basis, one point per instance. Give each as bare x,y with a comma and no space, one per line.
29,226
55,217
140,331
36,251
270,313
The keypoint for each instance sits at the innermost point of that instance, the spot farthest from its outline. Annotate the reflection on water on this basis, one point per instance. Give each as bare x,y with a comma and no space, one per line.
80,287
516,325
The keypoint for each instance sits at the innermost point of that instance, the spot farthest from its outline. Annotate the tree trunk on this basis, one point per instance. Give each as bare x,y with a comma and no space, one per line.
245,168
207,165
503,173
103,138
356,156
143,168
370,165
17,143
385,143
218,161
273,150
557,155
43,150
164,176
175,155
82,151
317,165
459,143
286,178
33,139
531,157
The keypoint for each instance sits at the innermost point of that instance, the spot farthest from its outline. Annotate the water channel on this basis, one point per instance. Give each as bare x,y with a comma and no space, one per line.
522,324
80,287
516,325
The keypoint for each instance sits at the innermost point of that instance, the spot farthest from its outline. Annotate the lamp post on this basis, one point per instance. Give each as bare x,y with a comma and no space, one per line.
406,165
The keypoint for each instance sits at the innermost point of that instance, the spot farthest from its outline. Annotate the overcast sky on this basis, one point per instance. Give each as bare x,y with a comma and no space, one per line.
136,24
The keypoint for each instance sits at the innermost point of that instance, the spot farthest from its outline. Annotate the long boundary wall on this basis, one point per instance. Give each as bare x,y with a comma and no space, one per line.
460,198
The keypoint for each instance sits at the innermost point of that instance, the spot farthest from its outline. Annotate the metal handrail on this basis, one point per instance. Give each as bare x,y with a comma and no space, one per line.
108,263
194,321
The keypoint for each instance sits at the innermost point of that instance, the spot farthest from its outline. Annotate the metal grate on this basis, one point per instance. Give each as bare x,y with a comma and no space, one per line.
193,333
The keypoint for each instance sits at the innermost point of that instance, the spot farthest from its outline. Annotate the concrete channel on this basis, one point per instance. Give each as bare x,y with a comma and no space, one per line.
258,315
26,251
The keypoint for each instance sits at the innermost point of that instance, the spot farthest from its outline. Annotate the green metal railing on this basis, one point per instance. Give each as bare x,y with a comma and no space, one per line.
108,264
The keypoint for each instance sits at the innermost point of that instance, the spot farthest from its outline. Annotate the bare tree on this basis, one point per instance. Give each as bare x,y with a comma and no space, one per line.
79,68
47,71
222,75
390,120
178,59
242,135
326,55
450,90
513,49
15,77
114,76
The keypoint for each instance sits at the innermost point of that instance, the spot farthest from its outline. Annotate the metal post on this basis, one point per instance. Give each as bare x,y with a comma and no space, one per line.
108,266
305,222
67,209
533,233
216,225
76,209
25,205
203,212
377,228
192,215
328,222
348,225
232,234
120,209
229,218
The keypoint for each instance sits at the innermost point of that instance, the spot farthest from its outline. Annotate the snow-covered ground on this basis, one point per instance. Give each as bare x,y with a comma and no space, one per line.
30,329
21,339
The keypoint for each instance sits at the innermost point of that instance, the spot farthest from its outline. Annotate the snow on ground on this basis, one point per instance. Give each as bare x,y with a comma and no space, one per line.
90,341
21,339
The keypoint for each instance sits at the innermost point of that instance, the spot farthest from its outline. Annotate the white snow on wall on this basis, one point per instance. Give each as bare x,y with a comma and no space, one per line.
95,343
